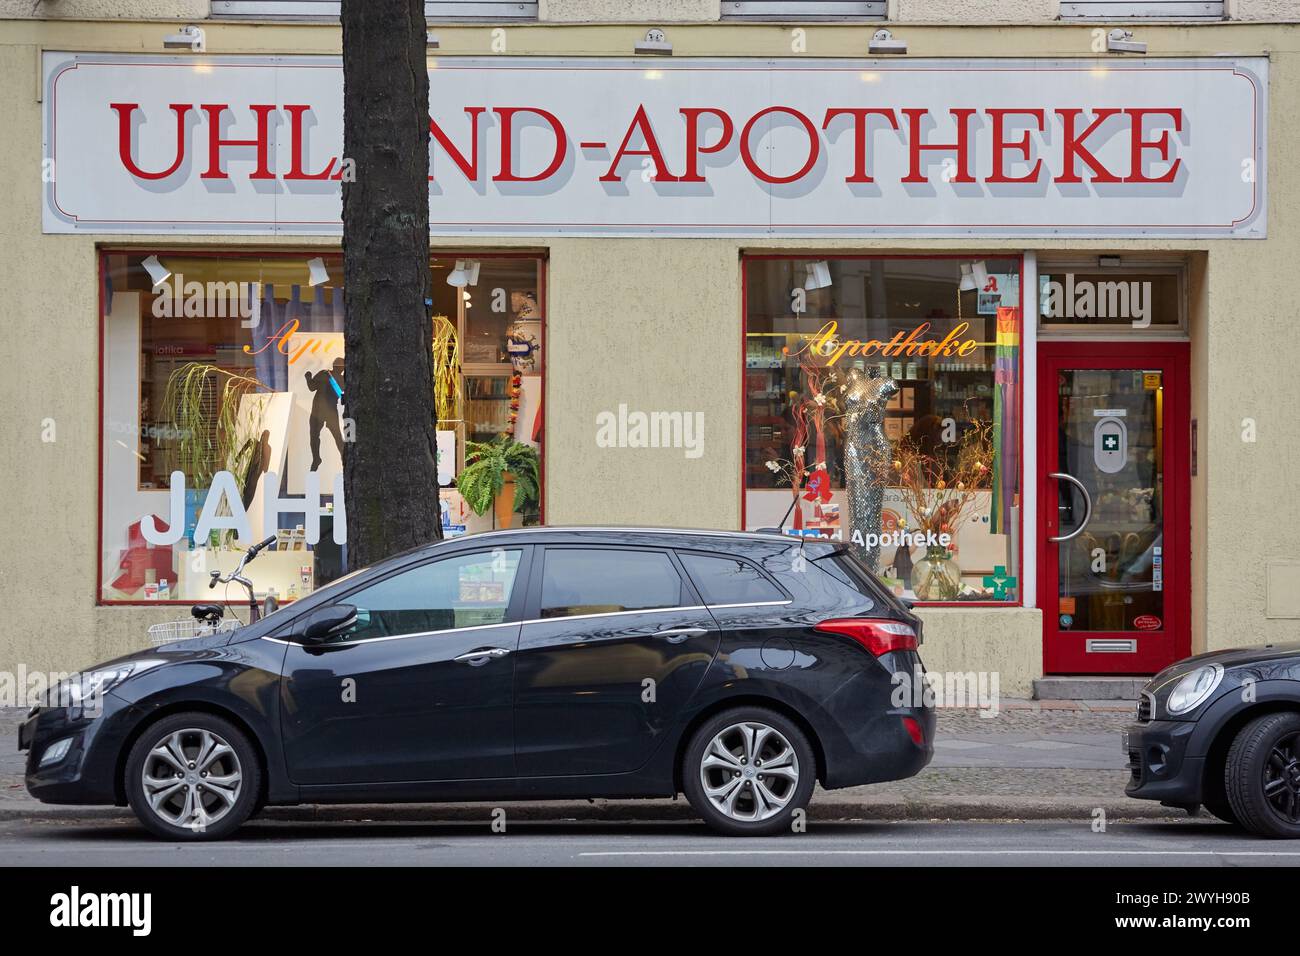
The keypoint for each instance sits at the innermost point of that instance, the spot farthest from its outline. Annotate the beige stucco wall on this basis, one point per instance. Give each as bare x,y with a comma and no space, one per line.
105,9
1008,643
1198,277
974,11
663,334
1252,486
654,323
633,11
1264,9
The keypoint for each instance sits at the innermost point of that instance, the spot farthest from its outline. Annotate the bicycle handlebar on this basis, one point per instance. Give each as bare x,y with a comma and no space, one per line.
255,549
216,577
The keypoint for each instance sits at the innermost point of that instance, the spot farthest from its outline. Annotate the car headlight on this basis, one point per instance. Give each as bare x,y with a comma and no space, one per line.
1193,689
92,684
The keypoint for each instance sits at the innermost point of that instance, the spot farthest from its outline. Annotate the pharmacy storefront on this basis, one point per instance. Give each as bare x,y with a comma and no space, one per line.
954,312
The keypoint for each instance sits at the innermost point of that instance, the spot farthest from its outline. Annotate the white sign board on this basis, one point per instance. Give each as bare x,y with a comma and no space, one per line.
687,147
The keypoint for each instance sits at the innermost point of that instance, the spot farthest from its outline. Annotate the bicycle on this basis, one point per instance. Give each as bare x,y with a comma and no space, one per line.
208,619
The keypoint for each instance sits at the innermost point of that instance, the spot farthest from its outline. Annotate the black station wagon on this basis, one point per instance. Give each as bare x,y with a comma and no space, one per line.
546,663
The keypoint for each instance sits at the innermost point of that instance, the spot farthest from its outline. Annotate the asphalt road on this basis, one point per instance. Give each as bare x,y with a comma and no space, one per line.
1154,844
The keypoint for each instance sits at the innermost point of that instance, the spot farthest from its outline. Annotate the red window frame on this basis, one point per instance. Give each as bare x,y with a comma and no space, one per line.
235,252
1019,258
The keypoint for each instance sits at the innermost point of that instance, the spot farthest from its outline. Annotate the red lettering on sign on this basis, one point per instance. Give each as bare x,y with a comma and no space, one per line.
508,114
747,155
124,145
861,147
216,141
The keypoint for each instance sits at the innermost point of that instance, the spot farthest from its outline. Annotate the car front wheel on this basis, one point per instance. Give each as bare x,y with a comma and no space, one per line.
1262,776
747,771
193,776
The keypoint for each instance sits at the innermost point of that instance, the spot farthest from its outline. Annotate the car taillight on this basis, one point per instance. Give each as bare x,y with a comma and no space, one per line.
878,637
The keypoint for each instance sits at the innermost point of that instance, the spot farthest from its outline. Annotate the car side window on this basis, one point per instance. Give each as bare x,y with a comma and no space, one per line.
460,591
723,580
605,580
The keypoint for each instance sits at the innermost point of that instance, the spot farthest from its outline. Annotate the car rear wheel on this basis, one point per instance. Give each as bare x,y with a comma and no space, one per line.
193,776
747,771
1263,776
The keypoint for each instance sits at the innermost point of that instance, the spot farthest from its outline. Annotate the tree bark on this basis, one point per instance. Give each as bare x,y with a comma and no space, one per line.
390,469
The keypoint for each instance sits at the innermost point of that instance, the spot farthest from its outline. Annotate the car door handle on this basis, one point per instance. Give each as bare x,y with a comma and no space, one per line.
481,656
675,635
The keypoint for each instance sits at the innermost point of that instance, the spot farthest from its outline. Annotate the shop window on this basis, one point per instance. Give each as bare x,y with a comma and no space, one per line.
1143,9
223,369
883,408
1084,297
804,9
329,9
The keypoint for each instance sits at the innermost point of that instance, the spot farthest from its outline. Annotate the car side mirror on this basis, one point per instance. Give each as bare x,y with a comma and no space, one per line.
325,621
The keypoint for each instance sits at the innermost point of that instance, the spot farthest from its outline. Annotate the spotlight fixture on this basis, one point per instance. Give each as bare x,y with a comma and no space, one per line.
968,283
885,42
465,273
317,274
1120,40
431,41
819,275
158,272
1109,262
190,38
655,43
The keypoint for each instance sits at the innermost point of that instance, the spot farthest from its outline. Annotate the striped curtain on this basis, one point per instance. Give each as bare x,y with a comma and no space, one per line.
1006,419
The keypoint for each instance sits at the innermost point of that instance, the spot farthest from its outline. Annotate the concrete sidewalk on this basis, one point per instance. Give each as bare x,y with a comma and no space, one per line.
1028,760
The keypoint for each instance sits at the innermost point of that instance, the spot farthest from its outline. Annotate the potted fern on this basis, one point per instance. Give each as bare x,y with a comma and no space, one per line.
500,474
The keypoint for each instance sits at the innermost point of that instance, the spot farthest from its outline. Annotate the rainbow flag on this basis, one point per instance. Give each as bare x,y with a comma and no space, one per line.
1006,418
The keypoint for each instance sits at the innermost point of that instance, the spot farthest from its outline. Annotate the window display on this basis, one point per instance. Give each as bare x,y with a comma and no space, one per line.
224,410
882,407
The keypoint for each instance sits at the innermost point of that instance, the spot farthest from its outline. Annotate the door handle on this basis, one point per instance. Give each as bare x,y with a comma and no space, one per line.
482,656
675,635
1087,506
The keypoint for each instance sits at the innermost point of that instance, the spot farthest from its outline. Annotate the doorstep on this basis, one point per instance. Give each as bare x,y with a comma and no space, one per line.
1091,688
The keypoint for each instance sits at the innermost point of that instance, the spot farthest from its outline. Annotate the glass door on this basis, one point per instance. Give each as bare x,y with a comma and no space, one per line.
1114,523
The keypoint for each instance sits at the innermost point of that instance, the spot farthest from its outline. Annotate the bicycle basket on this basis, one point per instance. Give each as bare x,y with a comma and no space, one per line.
173,631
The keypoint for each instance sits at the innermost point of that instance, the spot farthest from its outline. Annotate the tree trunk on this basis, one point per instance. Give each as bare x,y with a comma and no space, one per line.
389,472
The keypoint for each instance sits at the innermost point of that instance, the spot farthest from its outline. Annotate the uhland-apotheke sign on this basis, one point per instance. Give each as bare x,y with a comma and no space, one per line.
685,147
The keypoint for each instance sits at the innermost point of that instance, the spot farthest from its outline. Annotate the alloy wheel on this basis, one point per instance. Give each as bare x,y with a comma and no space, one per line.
1282,778
749,771
192,778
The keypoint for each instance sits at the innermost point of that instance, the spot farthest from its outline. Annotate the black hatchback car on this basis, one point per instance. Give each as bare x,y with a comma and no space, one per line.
544,663
1222,730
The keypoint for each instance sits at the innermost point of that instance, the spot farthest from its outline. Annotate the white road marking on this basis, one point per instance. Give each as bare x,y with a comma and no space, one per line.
941,853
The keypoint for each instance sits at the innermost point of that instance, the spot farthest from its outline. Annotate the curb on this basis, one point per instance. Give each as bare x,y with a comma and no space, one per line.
820,810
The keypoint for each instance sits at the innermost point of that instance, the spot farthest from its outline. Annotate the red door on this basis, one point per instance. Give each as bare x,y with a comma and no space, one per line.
1114,567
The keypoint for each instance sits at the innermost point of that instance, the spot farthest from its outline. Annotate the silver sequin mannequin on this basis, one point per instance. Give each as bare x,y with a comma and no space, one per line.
867,457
